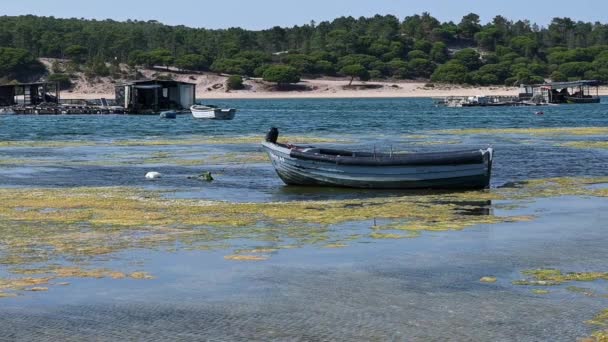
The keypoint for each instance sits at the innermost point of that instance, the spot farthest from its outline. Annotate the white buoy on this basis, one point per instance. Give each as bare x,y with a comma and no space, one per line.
153,175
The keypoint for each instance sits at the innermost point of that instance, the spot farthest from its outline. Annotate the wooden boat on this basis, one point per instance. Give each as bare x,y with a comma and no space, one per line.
311,166
585,99
212,112
170,114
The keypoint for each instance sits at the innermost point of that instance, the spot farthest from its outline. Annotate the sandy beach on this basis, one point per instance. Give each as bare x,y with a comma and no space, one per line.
212,86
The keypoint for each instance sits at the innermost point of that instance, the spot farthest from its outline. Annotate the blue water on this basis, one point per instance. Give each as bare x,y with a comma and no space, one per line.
410,289
305,116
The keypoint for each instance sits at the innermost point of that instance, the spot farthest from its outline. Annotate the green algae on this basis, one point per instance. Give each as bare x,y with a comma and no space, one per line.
582,290
49,274
239,257
600,320
586,144
44,226
552,277
204,140
540,292
554,131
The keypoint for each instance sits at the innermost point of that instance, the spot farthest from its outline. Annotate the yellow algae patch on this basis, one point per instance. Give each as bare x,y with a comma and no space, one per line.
489,280
380,236
416,136
43,143
436,142
576,289
45,226
599,336
555,131
7,295
141,276
335,245
205,140
587,144
223,140
600,319
540,292
21,283
550,277
237,257
257,250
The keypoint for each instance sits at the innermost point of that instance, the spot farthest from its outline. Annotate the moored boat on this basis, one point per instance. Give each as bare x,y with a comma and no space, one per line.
212,112
583,99
311,166
171,114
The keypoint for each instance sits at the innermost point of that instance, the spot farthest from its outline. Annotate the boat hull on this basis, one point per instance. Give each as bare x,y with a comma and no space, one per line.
168,115
213,113
591,99
296,171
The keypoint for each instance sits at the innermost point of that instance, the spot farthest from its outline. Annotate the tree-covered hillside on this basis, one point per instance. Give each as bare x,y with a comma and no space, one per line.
417,47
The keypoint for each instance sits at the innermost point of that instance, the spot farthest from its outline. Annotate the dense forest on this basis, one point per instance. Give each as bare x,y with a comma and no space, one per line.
417,47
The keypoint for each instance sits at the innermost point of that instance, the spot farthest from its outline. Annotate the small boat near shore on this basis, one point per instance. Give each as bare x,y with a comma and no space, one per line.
312,166
170,114
212,112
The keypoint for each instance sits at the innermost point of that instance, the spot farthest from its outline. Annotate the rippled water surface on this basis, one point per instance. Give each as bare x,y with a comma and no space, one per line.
246,258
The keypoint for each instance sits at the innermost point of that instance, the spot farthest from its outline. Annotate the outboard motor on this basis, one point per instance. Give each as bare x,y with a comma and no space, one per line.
273,135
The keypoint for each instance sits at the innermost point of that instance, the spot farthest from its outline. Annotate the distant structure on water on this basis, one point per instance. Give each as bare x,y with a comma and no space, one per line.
154,96
532,95
137,97
44,98
561,92
29,94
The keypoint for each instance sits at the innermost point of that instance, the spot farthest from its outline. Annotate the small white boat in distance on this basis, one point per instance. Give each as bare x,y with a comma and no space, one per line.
212,112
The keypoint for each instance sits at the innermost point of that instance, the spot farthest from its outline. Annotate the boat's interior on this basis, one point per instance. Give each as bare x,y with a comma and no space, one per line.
385,159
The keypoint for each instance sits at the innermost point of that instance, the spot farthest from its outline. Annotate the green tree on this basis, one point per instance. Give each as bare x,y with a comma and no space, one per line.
557,76
63,79
469,25
451,72
192,62
417,54
439,53
399,69
469,58
76,52
355,70
18,63
281,74
236,66
421,67
235,82
575,69
488,38
162,57
325,67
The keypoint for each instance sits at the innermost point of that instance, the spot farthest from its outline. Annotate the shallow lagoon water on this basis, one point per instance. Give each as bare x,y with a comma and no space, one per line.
368,289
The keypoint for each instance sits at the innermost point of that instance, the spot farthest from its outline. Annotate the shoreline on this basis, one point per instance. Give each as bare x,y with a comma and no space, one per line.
212,87
384,93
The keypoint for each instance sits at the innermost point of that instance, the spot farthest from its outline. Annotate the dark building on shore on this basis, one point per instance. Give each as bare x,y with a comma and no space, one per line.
29,94
153,96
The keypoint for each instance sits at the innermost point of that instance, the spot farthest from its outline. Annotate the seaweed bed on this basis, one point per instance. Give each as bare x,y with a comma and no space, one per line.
56,233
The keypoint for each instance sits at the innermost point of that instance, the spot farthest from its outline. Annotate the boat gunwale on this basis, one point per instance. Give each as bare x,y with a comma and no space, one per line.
461,157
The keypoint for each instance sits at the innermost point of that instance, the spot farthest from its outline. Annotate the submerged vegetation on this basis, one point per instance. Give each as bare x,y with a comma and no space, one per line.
207,140
42,228
550,277
548,131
